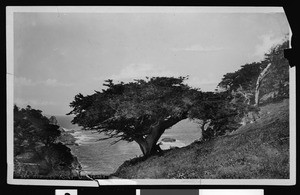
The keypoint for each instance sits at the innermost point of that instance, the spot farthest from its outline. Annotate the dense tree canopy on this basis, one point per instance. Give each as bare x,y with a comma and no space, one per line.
142,110
32,128
275,78
246,77
137,111
37,150
216,113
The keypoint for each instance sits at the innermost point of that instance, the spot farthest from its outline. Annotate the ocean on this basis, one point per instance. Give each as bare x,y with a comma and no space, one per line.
101,157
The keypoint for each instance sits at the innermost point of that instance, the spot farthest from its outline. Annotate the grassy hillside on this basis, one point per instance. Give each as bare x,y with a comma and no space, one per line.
257,150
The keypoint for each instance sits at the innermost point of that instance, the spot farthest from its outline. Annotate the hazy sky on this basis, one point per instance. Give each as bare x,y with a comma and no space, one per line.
58,55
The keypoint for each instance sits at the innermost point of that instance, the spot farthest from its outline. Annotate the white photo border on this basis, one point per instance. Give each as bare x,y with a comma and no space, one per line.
10,10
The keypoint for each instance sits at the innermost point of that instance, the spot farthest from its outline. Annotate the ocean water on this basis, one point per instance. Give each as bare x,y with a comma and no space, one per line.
101,157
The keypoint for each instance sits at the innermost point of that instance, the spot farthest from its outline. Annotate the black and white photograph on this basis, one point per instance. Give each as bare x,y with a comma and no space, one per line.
150,95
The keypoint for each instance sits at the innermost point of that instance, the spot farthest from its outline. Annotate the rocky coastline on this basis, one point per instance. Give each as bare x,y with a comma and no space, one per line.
66,137
47,158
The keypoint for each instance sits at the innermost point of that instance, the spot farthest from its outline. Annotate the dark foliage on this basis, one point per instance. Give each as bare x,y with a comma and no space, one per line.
130,109
245,77
36,151
141,110
32,128
276,80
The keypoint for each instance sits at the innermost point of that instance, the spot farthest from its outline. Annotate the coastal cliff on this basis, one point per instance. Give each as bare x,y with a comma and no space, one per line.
38,148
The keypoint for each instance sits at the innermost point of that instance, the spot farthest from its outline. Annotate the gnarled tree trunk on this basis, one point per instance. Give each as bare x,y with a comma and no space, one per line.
258,83
148,143
143,145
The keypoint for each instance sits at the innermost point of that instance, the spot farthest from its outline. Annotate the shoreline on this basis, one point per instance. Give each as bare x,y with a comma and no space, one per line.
68,138
73,138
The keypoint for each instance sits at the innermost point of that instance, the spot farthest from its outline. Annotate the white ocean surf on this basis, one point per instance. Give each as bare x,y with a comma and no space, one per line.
101,157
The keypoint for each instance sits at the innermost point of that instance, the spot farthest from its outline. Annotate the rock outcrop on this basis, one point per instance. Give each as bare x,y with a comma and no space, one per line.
54,160
168,139
67,138
169,143
53,120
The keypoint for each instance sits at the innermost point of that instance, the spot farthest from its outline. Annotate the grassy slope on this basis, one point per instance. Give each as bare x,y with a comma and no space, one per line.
257,150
